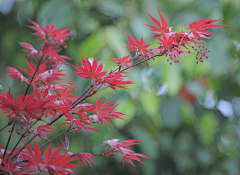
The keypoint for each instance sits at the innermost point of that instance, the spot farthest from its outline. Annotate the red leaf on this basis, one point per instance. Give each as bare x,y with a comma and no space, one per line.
43,129
88,70
160,29
198,28
32,51
53,162
9,168
39,30
85,158
123,150
66,143
124,61
104,113
135,45
14,73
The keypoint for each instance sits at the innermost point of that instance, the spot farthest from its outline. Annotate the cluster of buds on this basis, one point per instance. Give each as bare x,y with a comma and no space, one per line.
201,52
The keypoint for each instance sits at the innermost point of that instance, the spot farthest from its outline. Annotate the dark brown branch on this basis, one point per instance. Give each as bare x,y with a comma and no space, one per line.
9,138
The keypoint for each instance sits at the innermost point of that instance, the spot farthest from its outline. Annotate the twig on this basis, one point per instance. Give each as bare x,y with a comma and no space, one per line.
9,138
9,123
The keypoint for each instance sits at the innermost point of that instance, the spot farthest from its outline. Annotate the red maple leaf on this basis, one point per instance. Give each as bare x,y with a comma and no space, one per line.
159,29
88,70
40,32
50,103
14,73
54,107
64,96
65,143
123,149
136,45
198,28
49,29
133,156
41,129
60,36
114,80
104,112
167,43
53,56
124,61
44,75
32,51
56,36
8,168
130,142
34,157
80,109
80,124
85,158
43,95
25,104
52,163
29,106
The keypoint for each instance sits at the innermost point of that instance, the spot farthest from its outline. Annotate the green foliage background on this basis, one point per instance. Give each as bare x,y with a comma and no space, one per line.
181,135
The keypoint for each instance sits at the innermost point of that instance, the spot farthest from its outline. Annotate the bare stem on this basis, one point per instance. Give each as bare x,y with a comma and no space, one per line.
33,77
54,138
9,123
23,135
9,138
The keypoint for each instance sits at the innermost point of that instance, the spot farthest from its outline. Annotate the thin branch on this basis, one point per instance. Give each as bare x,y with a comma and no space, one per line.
23,135
81,96
9,138
54,138
97,154
9,123
33,77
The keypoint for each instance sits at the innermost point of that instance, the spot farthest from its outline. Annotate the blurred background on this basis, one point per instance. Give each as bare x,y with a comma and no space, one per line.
186,115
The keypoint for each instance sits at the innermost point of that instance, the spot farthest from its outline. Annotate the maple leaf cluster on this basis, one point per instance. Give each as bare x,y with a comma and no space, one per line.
123,150
51,100
171,42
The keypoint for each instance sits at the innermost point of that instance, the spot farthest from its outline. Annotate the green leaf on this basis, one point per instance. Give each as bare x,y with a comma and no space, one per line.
150,103
207,127
170,112
58,12
148,143
90,46
126,107
188,113
172,76
115,41
231,167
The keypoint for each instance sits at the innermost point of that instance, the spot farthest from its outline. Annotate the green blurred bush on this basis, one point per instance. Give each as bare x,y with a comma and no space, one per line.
186,114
